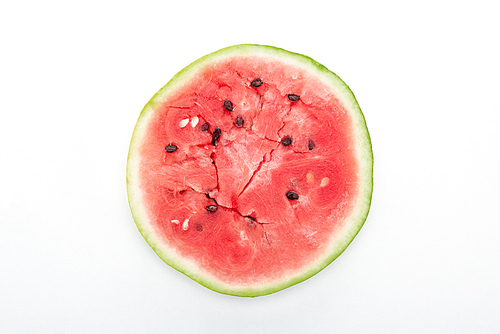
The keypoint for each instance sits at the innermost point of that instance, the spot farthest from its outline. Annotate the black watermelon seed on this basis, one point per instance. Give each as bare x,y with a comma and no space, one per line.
292,195
211,208
170,148
239,121
199,227
256,82
311,145
205,127
293,97
286,141
216,135
228,105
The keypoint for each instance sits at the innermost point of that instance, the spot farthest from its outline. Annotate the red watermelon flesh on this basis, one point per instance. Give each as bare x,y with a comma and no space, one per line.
218,207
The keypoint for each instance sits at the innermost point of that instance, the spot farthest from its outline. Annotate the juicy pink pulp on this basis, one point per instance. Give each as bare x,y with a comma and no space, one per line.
257,234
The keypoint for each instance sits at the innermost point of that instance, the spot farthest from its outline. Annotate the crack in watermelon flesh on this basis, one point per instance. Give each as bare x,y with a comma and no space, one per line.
257,236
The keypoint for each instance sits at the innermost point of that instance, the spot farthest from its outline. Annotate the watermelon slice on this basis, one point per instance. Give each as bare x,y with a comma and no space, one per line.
251,170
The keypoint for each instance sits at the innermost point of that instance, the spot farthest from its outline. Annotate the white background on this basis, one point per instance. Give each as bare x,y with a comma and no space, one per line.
74,76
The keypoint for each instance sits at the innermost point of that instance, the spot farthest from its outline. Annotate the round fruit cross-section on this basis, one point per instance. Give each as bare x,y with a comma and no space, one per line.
251,170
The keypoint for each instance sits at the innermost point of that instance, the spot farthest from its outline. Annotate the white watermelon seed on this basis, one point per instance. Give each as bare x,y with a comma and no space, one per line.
185,225
184,122
175,221
194,121
310,177
324,182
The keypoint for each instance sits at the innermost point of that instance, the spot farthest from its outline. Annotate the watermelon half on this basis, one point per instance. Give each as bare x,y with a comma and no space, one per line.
251,170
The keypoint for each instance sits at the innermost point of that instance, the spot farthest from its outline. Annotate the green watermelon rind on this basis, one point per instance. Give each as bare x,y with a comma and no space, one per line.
364,152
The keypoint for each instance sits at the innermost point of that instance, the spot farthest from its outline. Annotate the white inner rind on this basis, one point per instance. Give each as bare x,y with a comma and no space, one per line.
338,243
